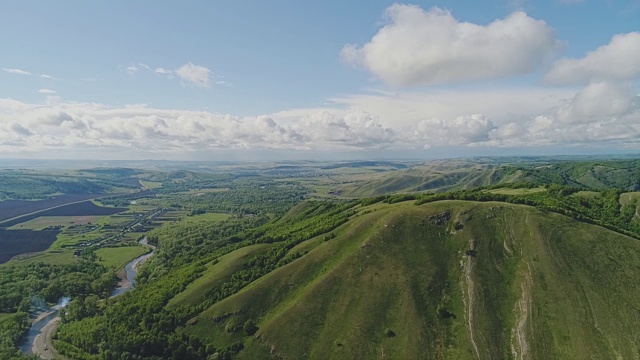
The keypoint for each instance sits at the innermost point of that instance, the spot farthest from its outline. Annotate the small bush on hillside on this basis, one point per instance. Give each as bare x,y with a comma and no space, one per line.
250,327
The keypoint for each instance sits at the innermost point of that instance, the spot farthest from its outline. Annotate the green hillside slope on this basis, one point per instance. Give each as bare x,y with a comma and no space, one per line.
445,280
441,176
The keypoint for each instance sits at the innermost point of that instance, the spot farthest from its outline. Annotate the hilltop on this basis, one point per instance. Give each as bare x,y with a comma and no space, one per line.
447,279
451,279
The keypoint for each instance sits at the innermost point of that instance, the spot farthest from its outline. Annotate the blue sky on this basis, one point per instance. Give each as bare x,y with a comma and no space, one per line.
362,78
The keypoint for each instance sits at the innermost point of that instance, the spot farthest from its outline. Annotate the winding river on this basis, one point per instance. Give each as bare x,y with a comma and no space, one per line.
38,339
131,270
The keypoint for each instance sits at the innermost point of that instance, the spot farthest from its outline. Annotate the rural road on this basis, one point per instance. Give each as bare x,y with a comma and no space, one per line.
42,345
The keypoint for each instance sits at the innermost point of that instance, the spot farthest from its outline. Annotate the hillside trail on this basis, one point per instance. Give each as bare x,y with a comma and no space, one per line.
520,349
468,291
522,308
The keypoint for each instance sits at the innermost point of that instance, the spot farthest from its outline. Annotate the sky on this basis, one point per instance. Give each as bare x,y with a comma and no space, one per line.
333,79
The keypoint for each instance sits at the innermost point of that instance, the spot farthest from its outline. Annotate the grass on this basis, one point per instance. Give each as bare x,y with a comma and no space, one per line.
117,257
151,184
43,222
216,274
631,199
523,191
55,257
208,217
516,281
65,238
199,192
588,194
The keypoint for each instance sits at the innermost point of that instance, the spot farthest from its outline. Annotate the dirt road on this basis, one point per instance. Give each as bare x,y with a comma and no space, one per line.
43,345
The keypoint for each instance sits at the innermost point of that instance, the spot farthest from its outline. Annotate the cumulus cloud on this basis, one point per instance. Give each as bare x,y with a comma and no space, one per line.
149,130
17,71
194,74
618,60
463,130
501,104
601,113
432,47
47,76
46,91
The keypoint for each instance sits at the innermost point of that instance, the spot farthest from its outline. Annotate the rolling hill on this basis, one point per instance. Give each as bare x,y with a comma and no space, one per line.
444,280
441,176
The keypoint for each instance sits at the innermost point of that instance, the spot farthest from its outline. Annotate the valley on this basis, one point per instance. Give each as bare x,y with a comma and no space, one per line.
256,261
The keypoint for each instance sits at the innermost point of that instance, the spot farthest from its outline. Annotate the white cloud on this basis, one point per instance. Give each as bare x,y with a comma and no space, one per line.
501,104
46,76
432,47
148,130
223,83
463,130
597,101
618,60
162,71
17,71
194,74
132,69
188,73
600,114
46,91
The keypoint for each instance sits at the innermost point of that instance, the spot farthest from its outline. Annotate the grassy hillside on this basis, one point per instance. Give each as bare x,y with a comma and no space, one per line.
447,280
441,176
438,176
631,200
216,274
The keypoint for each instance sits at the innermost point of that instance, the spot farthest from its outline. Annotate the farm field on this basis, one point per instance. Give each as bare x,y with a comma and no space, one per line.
85,208
12,208
117,257
15,242
43,222
83,223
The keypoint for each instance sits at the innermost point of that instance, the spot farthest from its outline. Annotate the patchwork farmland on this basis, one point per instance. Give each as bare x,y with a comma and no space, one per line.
13,208
85,208
38,231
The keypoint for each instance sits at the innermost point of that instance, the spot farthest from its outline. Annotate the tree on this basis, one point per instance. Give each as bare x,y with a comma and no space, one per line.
250,327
